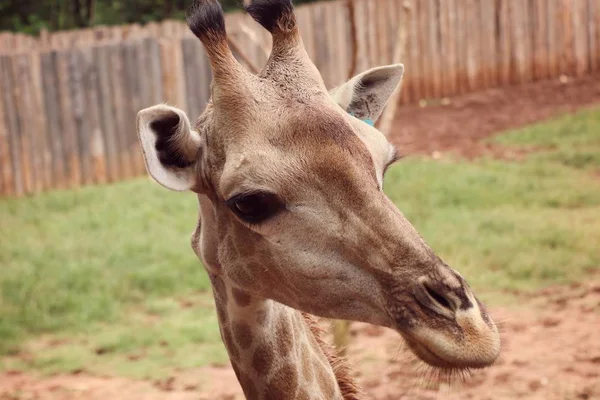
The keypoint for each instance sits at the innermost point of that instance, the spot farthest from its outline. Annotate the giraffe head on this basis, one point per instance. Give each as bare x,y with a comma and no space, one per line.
290,182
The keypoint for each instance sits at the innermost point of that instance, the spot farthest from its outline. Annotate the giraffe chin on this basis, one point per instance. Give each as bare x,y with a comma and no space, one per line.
439,351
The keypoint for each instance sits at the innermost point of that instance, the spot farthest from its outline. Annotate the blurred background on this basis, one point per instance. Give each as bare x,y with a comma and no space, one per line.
101,296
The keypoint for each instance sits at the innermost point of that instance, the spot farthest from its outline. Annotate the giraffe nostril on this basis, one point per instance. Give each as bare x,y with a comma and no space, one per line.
433,296
439,298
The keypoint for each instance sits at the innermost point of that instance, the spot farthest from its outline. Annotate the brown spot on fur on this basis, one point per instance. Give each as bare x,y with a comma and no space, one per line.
282,384
245,250
228,340
241,298
242,334
262,361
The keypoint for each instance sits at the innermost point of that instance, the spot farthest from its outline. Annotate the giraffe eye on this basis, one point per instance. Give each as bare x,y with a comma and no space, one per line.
254,208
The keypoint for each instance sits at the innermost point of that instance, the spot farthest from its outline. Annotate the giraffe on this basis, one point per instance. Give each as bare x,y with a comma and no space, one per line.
293,221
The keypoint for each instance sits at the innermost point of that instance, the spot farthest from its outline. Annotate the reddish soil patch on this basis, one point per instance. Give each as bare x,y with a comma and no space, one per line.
460,125
551,352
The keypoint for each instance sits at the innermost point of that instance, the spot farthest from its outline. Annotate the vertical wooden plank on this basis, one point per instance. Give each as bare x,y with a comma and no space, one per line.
436,47
40,139
107,112
371,29
534,29
593,24
94,133
22,95
551,38
49,62
329,42
132,105
452,47
7,129
69,136
362,35
305,21
14,127
413,78
567,65
172,73
154,65
77,70
527,24
471,39
444,38
322,50
580,17
191,69
144,58
485,54
119,93
541,40
596,22
428,29
137,72
382,32
512,38
393,20
505,42
343,42
338,69
516,41
422,19
462,39
340,42
399,19
410,73
22,98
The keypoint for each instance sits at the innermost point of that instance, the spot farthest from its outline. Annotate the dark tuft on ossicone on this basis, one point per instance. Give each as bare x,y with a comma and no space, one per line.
205,19
273,15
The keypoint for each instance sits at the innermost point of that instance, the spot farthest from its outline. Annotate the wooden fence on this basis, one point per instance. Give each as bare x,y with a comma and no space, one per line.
68,100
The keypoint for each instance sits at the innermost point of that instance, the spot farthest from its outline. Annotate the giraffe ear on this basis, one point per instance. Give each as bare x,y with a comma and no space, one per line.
170,147
366,94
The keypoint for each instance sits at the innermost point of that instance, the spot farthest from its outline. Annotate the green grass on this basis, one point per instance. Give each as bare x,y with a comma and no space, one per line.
103,278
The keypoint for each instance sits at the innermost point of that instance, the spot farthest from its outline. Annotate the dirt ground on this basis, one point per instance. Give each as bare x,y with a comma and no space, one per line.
551,351
551,345
461,123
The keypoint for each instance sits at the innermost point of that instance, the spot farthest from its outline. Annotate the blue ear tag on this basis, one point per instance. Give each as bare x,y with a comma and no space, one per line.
366,121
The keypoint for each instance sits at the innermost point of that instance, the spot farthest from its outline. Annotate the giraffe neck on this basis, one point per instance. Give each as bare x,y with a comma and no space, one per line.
273,350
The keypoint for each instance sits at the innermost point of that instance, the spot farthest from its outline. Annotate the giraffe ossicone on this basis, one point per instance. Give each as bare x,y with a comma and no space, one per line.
293,220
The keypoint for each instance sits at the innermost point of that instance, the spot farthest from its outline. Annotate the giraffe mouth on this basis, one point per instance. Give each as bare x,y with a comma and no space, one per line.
446,351
429,357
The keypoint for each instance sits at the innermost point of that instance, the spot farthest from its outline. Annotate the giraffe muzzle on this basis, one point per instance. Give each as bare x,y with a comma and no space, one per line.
459,333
